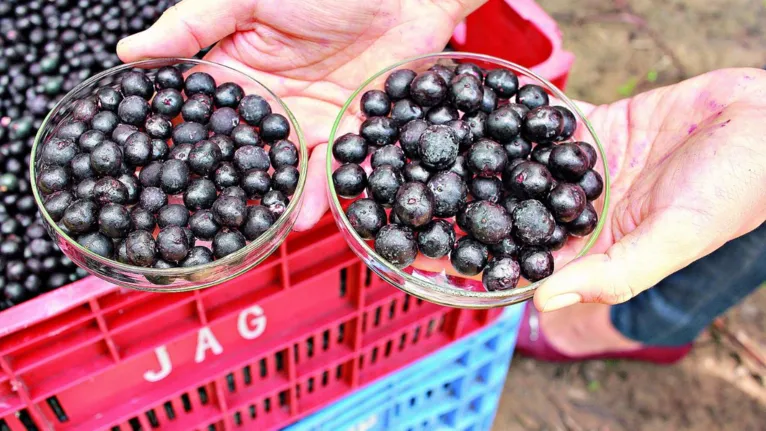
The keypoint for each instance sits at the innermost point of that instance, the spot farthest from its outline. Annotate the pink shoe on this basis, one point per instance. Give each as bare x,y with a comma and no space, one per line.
532,343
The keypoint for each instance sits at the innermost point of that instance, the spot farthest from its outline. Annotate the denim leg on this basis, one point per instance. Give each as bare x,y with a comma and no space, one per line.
678,308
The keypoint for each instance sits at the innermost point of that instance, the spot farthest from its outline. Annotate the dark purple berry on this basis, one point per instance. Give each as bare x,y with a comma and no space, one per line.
585,223
140,248
169,77
203,225
200,194
172,215
106,158
590,152
109,190
414,171
257,183
257,221
396,244
436,239
133,110
375,103
349,148
404,111
568,161
533,224
350,180
543,124
172,244
251,157
486,189
442,114
204,158
532,96
285,179
536,263
199,82
414,204
503,124
253,109
558,239
383,184
142,219
469,257
569,123
189,133
366,217
226,176
500,274
138,84
438,147
528,180
276,202
158,127
449,193
197,256
409,138
229,211
59,151
566,202
503,82
227,241
114,221
137,150
379,131
168,103
388,155
80,217
174,176
428,89
57,203
466,92
275,127
592,184
228,95
397,84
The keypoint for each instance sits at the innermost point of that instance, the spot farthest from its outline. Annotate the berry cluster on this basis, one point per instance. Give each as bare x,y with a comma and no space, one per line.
467,145
138,175
46,48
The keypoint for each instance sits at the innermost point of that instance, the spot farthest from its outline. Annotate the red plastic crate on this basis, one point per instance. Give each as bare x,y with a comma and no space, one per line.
518,31
285,339
303,329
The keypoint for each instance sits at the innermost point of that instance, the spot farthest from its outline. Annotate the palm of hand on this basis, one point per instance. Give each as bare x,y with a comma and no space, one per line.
678,157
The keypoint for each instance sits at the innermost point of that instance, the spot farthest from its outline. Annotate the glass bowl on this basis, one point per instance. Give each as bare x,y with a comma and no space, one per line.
172,279
435,280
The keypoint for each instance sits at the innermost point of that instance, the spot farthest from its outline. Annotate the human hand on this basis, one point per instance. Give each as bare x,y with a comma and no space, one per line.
311,53
688,168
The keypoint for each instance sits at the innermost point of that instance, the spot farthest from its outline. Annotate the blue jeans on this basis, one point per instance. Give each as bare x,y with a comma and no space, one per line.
676,310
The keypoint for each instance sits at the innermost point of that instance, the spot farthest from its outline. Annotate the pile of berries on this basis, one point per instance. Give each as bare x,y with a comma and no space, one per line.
139,172
467,147
46,48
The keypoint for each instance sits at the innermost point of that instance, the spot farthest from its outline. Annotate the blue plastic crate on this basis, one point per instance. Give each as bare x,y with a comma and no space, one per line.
455,388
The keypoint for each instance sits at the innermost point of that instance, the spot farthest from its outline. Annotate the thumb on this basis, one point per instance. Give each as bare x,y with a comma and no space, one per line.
186,28
315,202
661,245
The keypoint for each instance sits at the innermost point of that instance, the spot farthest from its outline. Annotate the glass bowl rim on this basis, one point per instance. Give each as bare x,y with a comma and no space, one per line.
267,236
420,281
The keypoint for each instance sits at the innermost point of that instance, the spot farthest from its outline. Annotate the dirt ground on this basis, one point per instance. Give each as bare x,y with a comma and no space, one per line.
624,47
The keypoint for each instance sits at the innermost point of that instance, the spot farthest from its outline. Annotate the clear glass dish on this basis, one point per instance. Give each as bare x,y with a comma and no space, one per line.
435,280
173,279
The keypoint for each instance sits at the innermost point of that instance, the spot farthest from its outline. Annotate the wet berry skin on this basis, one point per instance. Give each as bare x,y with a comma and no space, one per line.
383,184
158,127
489,101
59,151
172,244
90,139
97,243
133,110
234,191
349,180
528,180
251,157
438,147
136,83
200,194
226,176
436,239
223,121
350,148
150,175
566,201
449,193
486,158
80,166
137,150
257,183
396,244
585,223
486,189
285,179
470,69
114,221
568,161
379,131
109,190
199,82
245,135
276,202
204,157
543,124
81,216
253,109
197,256
225,144
189,133
275,127
108,98
57,203
489,222
397,84
142,219
168,103
140,248
469,257
501,274
532,96
428,89
366,217
533,224
536,263
590,152
174,177
592,184
445,72
503,124
169,77
388,155
517,148
414,204
442,114
463,134
414,171
227,241
228,95
558,239
504,82
203,225
409,138
375,103
569,123
105,122
283,153
542,154
172,215
197,111
180,152
257,221
229,211
466,92
507,247
404,111
106,158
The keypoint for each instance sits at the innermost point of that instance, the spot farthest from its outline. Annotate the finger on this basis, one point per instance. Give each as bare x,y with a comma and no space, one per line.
315,202
657,248
186,28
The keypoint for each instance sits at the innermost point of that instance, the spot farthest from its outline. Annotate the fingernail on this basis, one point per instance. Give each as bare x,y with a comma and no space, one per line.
561,301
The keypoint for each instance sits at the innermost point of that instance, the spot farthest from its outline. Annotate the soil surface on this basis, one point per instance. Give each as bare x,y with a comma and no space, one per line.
624,47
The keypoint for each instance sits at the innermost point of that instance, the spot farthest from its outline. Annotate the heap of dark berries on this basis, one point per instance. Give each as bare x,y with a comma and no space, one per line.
46,48
467,163
164,171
